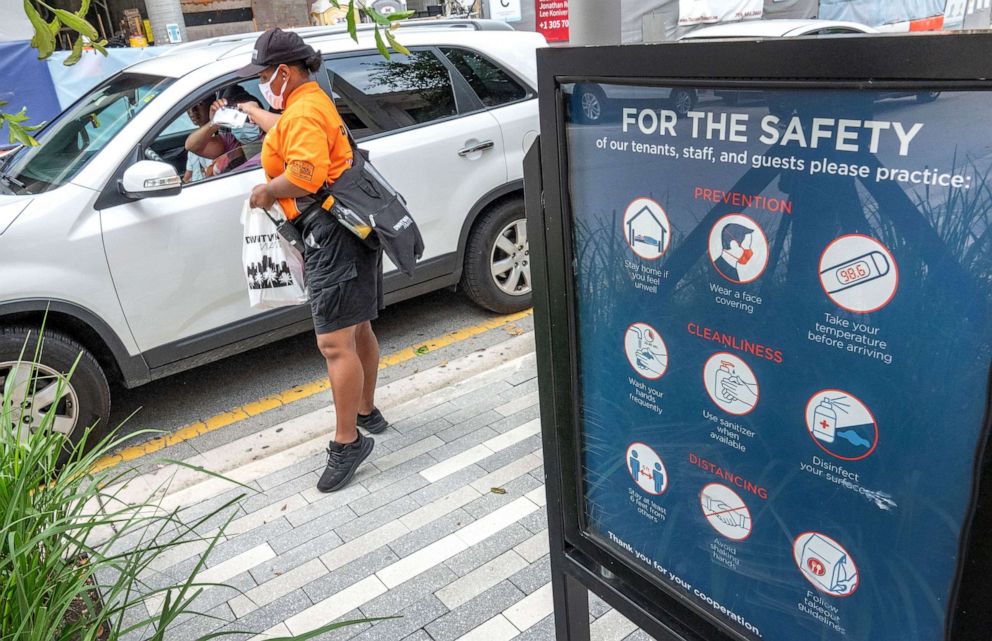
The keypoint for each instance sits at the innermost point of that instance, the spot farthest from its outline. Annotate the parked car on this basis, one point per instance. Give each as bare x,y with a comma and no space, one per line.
591,103
142,276
780,28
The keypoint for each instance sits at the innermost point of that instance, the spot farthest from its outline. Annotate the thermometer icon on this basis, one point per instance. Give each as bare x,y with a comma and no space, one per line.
854,272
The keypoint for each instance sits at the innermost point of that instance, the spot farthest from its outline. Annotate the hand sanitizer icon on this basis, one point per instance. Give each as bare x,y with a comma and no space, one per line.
726,371
825,418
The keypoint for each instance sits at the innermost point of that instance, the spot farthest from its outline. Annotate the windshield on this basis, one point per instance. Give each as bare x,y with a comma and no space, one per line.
80,133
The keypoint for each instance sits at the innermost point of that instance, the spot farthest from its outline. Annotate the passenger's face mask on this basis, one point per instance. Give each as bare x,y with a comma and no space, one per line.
248,134
276,101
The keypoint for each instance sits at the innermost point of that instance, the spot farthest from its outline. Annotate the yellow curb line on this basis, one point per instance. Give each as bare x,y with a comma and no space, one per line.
297,393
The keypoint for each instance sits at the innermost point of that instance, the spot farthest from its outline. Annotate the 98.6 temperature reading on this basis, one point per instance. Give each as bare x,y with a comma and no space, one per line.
854,272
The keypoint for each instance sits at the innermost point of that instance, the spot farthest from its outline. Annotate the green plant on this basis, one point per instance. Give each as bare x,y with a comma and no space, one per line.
76,552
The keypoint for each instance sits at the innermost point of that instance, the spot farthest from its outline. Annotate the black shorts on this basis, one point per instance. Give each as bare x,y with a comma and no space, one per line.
343,274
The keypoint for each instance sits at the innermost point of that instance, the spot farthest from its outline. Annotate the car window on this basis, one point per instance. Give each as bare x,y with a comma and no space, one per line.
374,95
83,131
240,148
491,84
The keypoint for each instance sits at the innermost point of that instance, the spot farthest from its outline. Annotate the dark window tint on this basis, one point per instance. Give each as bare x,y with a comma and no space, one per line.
492,84
374,95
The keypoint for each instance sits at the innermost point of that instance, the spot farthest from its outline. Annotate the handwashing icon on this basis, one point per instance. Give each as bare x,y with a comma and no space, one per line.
646,350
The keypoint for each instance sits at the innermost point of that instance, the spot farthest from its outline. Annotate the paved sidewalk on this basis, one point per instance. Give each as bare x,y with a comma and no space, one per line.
443,526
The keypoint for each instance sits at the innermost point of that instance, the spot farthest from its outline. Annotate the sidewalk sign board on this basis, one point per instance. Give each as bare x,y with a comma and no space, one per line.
764,327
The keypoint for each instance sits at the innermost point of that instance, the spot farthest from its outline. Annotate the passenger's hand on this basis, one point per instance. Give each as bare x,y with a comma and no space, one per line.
260,198
217,104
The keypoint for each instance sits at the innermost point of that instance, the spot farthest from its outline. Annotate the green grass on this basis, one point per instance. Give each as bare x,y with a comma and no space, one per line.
65,531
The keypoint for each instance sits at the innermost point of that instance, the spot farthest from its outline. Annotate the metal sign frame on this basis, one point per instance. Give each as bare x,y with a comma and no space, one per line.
580,562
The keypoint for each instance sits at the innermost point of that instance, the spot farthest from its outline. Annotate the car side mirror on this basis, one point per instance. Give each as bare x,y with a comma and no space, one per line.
150,179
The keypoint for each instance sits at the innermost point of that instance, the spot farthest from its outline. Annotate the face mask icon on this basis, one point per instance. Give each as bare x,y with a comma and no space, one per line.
738,248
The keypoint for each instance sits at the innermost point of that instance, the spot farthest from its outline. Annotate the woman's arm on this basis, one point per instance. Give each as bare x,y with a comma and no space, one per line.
264,195
266,120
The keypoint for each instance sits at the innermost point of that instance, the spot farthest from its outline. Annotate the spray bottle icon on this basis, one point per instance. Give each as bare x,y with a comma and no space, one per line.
825,418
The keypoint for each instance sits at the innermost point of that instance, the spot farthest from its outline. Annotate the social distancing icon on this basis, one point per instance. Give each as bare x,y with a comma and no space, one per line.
646,228
841,424
859,273
646,350
730,383
726,511
738,248
647,469
826,564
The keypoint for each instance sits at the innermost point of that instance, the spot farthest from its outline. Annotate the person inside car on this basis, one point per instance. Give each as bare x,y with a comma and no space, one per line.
210,151
306,150
252,133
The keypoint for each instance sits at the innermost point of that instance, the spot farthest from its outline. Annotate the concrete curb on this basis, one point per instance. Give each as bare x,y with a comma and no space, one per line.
262,453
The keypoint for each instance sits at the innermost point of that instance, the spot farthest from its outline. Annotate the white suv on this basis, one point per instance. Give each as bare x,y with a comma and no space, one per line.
145,279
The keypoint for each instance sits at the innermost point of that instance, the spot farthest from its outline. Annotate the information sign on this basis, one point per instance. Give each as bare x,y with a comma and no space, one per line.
552,19
779,344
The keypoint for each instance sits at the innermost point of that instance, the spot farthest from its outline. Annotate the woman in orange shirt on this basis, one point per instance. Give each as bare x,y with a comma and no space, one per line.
307,149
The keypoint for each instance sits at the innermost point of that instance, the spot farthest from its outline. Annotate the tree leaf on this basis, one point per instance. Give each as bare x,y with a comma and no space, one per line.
77,24
43,40
377,17
83,9
17,134
352,28
395,44
400,15
380,44
100,46
77,53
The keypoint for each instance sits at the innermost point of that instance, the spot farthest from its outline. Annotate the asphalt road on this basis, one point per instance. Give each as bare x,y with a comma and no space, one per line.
171,403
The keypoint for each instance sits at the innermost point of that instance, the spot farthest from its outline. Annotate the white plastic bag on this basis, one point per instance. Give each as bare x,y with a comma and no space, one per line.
274,271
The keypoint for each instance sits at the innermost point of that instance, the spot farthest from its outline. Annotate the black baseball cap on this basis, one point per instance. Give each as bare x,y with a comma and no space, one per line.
276,47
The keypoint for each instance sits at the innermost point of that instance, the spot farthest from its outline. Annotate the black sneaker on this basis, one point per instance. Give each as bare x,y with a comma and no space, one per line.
342,462
374,423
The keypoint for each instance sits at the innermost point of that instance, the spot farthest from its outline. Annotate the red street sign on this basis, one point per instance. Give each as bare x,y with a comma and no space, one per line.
552,19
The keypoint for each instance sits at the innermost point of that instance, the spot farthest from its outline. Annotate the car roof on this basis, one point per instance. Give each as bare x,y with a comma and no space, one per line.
777,28
476,34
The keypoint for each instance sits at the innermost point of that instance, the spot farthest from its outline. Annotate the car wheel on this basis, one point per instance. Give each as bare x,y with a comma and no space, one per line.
591,104
78,402
927,96
682,101
497,260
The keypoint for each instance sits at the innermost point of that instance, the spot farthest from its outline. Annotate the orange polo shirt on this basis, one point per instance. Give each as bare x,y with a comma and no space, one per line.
308,145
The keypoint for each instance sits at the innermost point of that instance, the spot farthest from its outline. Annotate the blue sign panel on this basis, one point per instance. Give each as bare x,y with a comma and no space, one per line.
783,302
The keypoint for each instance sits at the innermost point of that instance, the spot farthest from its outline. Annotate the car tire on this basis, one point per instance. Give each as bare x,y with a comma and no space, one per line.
497,263
85,399
590,104
682,101
927,96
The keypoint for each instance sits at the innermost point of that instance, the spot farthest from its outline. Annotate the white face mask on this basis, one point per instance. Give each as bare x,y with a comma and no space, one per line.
275,100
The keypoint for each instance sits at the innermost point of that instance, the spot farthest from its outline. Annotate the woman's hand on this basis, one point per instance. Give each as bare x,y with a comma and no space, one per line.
260,197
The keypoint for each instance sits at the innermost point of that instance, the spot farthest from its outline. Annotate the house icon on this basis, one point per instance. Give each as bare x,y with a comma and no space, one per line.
645,228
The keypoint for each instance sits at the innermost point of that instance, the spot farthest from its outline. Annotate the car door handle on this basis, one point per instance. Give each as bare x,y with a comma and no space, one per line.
482,146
